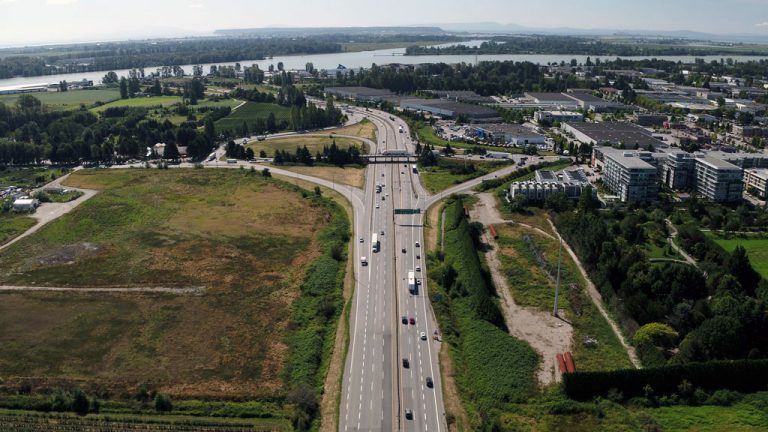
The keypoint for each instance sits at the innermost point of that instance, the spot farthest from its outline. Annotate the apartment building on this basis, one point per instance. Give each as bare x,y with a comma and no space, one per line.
629,177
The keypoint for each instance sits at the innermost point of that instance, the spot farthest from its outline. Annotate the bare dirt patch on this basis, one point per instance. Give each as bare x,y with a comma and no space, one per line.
68,254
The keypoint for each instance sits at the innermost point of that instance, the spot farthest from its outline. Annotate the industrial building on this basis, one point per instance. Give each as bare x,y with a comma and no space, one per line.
506,133
461,96
570,183
628,176
554,100
361,94
623,134
558,116
588,102
26,88
448,108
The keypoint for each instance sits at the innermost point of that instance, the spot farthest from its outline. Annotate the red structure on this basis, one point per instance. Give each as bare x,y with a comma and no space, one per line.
561,363
569,365
466,212
492,230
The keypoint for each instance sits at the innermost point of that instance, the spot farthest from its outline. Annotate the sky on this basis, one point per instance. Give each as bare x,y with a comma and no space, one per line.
32,22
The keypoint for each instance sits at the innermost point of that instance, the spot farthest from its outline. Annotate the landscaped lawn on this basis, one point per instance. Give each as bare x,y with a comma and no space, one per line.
153,101
757,249
249,113
314,143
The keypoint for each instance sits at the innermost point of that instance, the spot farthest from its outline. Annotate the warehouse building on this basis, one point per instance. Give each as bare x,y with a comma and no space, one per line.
554,100
506,133
588,102
361,94
626,135
451,109
557,116
631,178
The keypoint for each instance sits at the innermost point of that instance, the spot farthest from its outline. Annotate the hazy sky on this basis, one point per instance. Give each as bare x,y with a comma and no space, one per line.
44,21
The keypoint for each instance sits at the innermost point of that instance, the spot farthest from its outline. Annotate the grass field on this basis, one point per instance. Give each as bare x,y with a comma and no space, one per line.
531,286
11,225
314,144
69,99
167,112
364,129
249,113
438,178
351,176
225,231
757,249
154,101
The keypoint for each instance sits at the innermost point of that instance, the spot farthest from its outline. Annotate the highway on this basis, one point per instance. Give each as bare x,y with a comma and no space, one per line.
377,389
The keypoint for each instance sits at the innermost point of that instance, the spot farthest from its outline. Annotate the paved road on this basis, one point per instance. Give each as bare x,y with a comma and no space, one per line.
377,389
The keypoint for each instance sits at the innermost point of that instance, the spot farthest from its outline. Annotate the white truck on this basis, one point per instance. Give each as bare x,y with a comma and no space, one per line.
411,282
363,261
375,242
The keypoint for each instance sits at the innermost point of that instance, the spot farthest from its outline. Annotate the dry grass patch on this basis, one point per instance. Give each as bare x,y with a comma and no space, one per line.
348,175
364,129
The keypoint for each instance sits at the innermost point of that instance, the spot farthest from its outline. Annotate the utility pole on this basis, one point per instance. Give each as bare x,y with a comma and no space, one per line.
557,283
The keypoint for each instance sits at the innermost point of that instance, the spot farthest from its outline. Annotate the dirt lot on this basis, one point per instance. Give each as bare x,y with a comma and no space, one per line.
224,231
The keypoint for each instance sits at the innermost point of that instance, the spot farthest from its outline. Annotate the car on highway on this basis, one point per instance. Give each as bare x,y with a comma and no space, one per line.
404,250
377,206
412,321
361,240
430,384
405,319
406,363
408,414
383,197
418,256
417,244
418,268
382,233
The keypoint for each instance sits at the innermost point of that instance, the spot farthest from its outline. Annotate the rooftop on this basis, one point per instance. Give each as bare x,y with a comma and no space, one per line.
548,97
361,91
627,159
717,163
506,128
456,107
616,133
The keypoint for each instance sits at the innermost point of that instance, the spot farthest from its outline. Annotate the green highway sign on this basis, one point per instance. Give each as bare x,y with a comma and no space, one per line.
408,211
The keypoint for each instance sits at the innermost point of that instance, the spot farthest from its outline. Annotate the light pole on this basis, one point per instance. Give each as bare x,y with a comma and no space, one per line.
557,283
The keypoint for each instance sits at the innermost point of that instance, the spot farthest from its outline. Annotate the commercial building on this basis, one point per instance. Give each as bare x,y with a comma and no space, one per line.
650,119
462,96
570,183
361,94
26,88
705,174
558,116
554,100
627,135
508,134
628,176
588,102
756,181
448,108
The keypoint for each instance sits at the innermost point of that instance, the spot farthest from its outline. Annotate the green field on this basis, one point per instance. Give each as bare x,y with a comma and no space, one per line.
757,249
69,99
314,144
154,101
223,231
249,113
11,225
441,177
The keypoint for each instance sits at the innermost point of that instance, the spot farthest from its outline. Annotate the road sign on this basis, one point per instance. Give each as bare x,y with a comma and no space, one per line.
408,211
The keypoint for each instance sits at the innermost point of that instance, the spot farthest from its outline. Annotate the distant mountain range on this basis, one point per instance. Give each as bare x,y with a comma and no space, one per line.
309,31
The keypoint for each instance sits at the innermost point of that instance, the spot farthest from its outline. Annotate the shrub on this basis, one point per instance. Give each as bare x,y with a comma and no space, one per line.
163,403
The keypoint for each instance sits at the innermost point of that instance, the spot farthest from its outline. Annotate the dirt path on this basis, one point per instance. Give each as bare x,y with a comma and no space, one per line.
546,334
48,212
597,299
168,290
671,240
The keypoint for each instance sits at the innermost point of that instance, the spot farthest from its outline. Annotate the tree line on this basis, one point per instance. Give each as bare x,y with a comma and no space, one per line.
332,154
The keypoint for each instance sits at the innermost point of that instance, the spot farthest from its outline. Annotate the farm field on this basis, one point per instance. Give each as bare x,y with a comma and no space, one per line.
757,249
223,231
153,101
11,225
249,113
69,99
314,143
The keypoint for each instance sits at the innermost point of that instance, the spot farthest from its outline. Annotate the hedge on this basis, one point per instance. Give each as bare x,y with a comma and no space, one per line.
740,375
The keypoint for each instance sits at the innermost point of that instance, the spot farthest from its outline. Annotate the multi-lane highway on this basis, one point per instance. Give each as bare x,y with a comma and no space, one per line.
379,393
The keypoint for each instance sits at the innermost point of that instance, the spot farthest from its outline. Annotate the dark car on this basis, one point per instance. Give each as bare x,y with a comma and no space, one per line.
405,319
408,414
412,321
403,250
406,363
430,384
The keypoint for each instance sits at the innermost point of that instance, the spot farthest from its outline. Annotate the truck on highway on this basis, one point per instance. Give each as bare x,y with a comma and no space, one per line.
364,261
378,188
400,129
375,242
411,282
415,169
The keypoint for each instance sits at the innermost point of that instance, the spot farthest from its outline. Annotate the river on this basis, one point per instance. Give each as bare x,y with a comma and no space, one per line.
365,59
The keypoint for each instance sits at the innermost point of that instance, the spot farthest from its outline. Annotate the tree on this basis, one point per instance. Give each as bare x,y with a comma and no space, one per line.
210,129
279,66
110,78
655,334
123,88
80,403
163,403
739,266
63,86
171,151
265,173
586,201
557,202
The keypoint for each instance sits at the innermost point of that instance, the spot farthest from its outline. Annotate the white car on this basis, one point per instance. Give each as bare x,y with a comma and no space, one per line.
418,268
423,336
377,206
